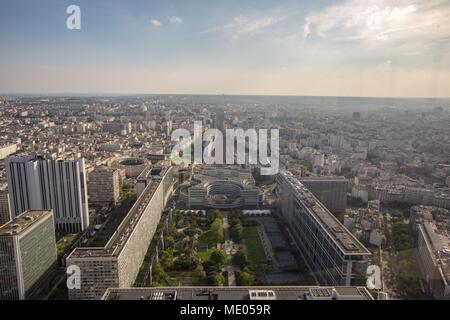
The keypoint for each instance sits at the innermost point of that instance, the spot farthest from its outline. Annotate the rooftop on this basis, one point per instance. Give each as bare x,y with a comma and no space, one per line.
323,178
208,173
154,172
239,293
23,222
123,232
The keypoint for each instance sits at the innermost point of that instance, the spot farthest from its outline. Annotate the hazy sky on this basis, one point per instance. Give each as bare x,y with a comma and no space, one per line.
292,47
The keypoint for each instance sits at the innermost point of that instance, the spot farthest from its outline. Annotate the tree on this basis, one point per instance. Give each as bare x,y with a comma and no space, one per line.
199,275
245,279
167,259
159,275
240,258
236,232
169,242
215,279
216,214
216,231
218,257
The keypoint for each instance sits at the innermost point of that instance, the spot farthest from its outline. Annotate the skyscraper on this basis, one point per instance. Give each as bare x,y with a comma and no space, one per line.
27,255
39,184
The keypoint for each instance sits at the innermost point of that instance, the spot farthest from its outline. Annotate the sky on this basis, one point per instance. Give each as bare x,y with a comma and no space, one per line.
382,48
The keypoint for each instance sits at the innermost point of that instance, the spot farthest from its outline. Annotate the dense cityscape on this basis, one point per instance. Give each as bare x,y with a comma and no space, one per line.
88,185
224,159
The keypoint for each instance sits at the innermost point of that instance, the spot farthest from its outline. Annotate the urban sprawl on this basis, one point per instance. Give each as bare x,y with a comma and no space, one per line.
87,184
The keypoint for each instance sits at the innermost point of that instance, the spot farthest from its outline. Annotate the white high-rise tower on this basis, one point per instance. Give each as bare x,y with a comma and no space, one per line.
36,183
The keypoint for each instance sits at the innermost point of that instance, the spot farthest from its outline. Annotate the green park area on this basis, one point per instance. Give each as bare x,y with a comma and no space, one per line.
181,262
191,255
65,242
253,246
404,261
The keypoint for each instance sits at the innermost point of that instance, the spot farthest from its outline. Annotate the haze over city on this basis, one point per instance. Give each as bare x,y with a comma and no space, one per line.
327,48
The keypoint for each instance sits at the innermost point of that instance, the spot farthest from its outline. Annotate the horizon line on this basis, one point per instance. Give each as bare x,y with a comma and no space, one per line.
110,94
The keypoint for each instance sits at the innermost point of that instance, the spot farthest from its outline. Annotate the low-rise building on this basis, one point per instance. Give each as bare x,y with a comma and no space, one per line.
223,187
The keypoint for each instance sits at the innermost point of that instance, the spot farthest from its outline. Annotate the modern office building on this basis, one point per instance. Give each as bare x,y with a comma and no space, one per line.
35,183
434,260
104,186
332,253
118,263
27,255
5,215
222,187
330,191
239,293
431,226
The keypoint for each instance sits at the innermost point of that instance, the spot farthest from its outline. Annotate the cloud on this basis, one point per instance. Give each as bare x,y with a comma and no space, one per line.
156,23
246,26
175,20
381,20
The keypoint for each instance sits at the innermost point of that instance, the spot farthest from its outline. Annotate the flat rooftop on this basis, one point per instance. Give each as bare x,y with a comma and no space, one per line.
324,178
345,240
123,232
23,222
152,172
239,293
208,173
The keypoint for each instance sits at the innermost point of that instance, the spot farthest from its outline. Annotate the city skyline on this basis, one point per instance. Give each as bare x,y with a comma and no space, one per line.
211,151
327,48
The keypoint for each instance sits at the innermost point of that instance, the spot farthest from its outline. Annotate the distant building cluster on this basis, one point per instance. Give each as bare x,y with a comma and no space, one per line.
366,224
66,161
401,193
